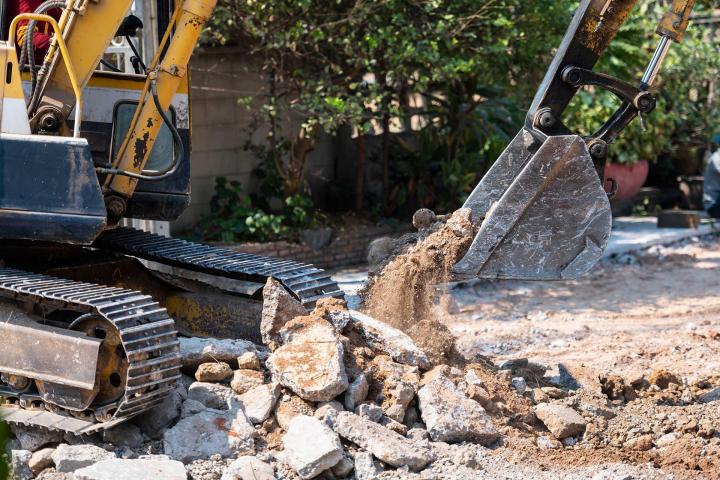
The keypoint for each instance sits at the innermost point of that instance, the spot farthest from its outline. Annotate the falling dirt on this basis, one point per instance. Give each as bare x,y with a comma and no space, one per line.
403,294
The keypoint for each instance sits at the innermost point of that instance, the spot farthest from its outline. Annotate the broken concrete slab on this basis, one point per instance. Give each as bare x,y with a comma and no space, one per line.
311,447
561,420
127,469
41,460
68,458
388,446
195,350
249,468
259,402
356,392
208,433
289,407
248,361
311,364
155,421
245,379
452,417
399,386
34,438
19,464
279,307
212,395
366,468
390,340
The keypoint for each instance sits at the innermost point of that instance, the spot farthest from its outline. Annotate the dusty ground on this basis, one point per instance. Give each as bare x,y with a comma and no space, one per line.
657,309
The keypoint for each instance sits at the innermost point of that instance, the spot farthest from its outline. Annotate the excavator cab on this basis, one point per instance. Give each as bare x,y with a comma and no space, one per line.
58,143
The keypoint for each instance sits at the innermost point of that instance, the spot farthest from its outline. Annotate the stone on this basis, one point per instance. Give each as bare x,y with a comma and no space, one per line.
124,435
195,350
370,411
666,439
41,460
343,468
191,407
327,408
663,378
68,458
544,442
335,311
399,385
213,372
482,396
249,468
417,434
519,384
55,476
452,417
357,392
248,361
386,445
642,443
244,380
19,464
311,447
289,407
34,438
311,364
155,421
135,469
259,402
562,421
212,395
710,396
222,432
366,468
279,307
390,340
423,218
391,424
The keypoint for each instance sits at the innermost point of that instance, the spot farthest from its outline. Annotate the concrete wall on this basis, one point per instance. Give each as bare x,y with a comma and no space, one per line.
221,77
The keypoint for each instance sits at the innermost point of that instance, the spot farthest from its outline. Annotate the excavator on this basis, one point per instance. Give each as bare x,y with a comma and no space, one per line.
91,309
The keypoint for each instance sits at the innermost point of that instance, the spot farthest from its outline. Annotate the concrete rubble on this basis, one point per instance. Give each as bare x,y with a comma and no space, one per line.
334,394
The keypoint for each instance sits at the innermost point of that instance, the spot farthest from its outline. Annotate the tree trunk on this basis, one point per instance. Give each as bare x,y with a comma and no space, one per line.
360,172
303,145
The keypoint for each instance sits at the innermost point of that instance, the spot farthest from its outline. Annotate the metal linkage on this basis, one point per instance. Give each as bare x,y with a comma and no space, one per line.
307,283
147,334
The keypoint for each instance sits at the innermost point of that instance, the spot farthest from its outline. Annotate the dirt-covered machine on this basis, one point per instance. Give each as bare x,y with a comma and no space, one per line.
89,310
88,331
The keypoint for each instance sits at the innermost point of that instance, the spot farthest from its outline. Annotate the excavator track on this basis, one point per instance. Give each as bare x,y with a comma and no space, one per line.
148,337
306,282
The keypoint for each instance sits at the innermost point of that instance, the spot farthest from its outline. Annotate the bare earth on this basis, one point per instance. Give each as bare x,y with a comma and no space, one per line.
659,309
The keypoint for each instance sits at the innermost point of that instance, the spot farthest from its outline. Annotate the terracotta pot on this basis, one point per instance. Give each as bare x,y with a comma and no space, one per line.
630,178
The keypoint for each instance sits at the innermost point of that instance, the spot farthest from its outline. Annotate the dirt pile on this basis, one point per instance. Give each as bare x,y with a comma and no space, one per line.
404,293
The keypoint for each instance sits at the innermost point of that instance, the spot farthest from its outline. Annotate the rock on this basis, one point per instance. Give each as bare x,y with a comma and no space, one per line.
562,421
153,422
390,340
68,458
378,251
663,378
41,460
482,396
260,402
249,468
356,392
244,380
666,439
554,392
386,445
411,417
195,351
211,432
335,311
370,411
34,438
452,417
212,395
399,384
289,407
544,442
279,307
213,372
248,361
519,384
710,396
191,407
124,435
55,476
366,468
19,464
311,364
311,447
136,469
417,434
423,218
327,408
642,443
343,468
391,424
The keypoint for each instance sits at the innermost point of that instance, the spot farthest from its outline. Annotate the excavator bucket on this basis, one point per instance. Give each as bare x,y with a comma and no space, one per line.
541,210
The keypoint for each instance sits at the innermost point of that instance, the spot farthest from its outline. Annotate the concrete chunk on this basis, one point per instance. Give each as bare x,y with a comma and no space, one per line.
390,340
279,307
213,372
386,445
311,447
69,458
562,421
123,469
194,350
249,468
260,402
